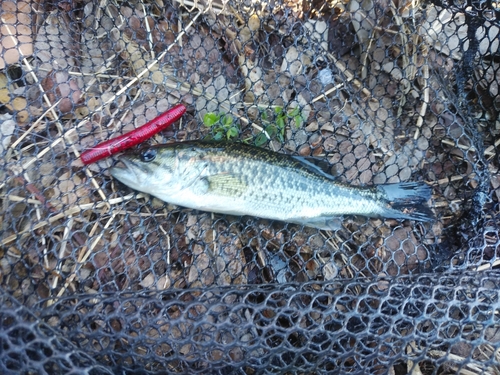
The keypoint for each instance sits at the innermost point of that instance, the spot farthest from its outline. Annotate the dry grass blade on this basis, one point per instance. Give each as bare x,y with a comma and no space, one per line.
62,250
215,6
349,76
425,101
67,213
83,256
37,121
472,368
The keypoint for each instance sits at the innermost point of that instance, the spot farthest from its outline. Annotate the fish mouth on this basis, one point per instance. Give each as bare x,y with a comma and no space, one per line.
126,173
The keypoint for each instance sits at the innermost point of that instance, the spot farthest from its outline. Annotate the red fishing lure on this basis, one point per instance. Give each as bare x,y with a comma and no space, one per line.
134,137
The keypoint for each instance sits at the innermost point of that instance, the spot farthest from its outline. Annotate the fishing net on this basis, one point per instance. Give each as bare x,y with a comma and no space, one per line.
96,278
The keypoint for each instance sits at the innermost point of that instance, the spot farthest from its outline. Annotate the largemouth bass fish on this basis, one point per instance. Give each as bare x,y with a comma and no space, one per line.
238,179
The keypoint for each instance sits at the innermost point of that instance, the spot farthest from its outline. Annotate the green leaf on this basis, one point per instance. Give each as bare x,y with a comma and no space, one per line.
263,116
218,136
278,110
232,132
226,120
281,135
210,119
294,112
280,122
271,130
260,140
298,121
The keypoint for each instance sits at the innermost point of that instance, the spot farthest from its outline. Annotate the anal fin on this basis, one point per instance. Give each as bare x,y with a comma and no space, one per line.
321,222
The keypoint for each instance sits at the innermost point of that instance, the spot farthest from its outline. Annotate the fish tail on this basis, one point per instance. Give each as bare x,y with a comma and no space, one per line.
408,200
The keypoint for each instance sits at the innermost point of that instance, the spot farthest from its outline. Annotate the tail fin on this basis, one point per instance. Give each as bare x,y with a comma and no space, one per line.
408,200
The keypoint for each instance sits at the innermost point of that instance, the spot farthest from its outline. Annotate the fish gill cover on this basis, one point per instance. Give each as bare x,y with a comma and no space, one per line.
96,278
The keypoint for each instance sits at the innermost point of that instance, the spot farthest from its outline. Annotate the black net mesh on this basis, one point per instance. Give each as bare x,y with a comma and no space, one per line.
96,278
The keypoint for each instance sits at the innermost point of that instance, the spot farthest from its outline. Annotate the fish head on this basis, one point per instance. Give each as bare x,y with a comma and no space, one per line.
151,170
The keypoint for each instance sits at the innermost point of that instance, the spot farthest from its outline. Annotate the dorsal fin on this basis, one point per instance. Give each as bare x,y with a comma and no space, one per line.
315,165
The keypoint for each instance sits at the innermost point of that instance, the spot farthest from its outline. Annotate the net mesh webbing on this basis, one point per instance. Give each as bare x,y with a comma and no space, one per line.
96,278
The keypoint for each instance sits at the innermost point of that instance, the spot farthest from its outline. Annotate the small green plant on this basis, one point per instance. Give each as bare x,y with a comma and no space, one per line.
277,128
222,126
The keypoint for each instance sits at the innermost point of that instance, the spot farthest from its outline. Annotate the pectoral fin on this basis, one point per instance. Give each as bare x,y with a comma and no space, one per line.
226,184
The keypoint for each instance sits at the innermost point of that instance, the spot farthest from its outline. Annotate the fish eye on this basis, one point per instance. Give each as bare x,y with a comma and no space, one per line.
148,155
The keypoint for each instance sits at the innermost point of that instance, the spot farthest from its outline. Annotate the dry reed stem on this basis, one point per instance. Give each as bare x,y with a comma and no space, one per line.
82,259
30,129
39,217
62,250
364,58
349,76
168,249
71,211
195,5
17,198
475,368
425,102
214,234
447,180
148,32
408,58
490,150
120,120
329,240
140,214
488,266
333,241
324,95
462,147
